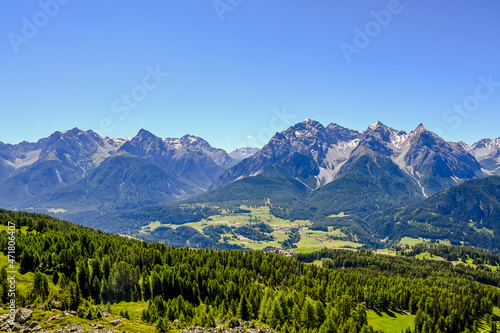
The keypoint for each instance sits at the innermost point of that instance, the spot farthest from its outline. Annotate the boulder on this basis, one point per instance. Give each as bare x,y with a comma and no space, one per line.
105,313
116,322
55,317
22,315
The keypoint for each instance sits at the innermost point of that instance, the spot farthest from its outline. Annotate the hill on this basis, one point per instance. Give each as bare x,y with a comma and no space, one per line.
465,214
181,287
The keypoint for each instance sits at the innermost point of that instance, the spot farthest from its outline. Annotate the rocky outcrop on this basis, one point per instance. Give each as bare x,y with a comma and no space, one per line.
246,327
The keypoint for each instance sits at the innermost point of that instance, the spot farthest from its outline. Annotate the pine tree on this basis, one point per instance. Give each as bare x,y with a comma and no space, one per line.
96,268
40,285
328,327
27,262
163,326
276,315
104,290
83,277
244,308
146,287
296,313
75,296
308,315
156,284
361,318
5,287
55,277
210,320
95,290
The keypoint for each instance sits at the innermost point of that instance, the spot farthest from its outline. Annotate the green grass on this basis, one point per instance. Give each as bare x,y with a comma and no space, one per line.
390,322
483,325
311,240
24,282
426,255
318,263
412,241
126,326
386,252
341,214
134,309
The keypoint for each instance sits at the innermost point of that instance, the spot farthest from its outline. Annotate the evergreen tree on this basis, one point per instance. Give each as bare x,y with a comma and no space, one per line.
40,285
244,308
55,277
146,287
328,327
163,326
104,290
4,297
95,290
96,268
308,315
360,315
83,277
276,316
27,263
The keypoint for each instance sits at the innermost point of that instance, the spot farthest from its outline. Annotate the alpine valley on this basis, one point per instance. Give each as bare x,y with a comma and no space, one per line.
311,186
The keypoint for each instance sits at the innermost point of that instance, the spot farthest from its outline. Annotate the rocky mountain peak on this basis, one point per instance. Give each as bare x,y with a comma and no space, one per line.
378,131
376,125
145,134
308,125
191,140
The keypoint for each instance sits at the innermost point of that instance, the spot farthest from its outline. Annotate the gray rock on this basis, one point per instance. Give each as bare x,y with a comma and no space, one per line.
116,322
4,317
55,317
15,328
105,313
22,315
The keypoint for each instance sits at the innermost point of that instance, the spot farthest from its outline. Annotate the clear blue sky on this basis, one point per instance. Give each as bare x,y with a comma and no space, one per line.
232,64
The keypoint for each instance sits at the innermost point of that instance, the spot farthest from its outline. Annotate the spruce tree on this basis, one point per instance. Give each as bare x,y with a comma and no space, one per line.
244,308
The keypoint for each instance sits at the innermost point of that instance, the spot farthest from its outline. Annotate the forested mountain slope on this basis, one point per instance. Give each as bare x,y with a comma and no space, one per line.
186,286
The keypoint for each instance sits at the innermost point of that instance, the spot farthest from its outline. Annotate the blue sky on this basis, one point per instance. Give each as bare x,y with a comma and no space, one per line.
236,71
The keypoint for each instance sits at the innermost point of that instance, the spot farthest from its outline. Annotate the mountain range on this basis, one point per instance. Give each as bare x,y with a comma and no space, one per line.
308,171
80,171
